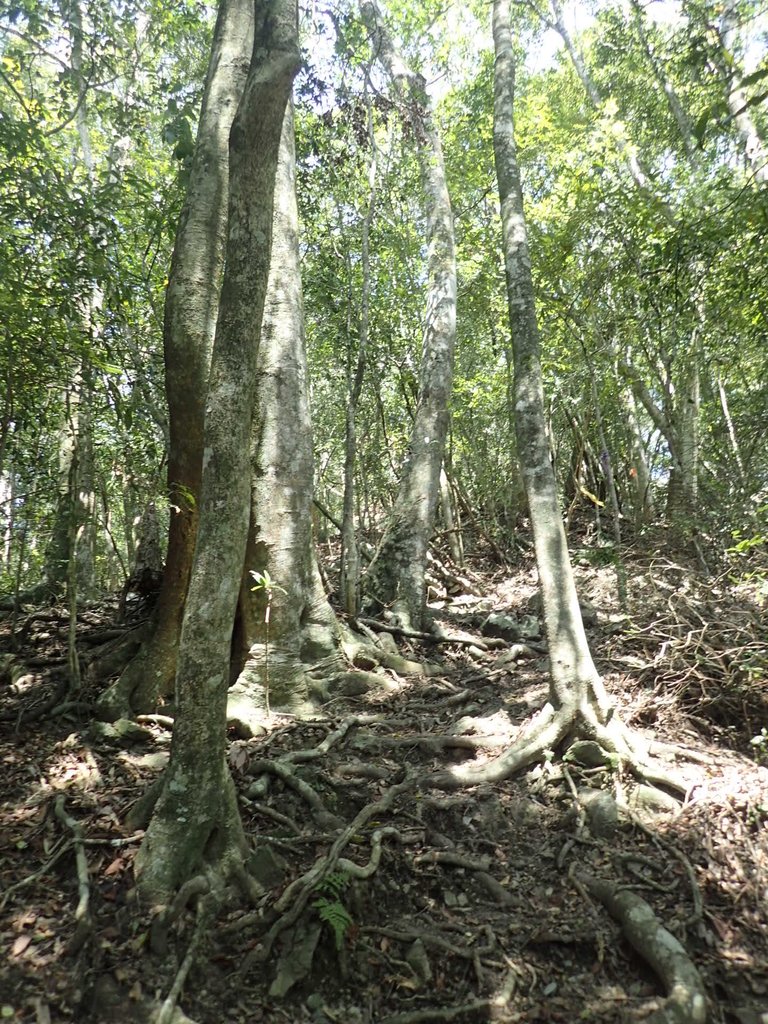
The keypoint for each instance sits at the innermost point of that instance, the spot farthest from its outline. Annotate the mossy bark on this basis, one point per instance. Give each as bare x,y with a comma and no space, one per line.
191,307
196,823
285,625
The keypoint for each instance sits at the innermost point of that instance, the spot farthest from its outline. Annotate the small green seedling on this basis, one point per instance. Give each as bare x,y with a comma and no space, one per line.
264,582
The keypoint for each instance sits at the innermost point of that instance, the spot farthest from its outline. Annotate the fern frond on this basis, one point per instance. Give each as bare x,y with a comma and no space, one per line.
333,913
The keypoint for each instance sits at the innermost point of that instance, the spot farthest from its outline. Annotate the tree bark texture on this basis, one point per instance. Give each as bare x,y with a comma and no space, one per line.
191,308
575,684
301,630
396,578
196,817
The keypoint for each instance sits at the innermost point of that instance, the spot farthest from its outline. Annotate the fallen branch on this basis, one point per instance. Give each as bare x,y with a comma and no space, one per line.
420,634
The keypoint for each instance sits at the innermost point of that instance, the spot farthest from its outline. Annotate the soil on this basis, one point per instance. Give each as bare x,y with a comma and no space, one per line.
475,910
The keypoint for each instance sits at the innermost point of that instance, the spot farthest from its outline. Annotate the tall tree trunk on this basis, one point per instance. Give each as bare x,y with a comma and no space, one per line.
70,557
640,473
196,826
286,626
191,307
450,521
349,563
396,577
578,702
574,679
683,489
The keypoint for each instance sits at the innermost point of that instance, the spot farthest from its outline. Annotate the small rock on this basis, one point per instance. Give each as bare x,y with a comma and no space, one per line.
417,959
355,683
499,624
387,643
650,803
122,733
589,754
267,866
601,812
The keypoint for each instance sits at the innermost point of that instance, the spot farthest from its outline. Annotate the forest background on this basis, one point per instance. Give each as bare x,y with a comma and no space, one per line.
641,161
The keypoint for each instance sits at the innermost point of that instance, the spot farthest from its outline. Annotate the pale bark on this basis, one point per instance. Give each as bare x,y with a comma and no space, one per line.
70,557
733,439
286,626
641,477
191,306
578,703
349,563
683,490
738,102
450,521
677,420
575,684
195,825
396,578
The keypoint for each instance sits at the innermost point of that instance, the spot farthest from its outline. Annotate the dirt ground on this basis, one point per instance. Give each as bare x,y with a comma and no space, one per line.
472,904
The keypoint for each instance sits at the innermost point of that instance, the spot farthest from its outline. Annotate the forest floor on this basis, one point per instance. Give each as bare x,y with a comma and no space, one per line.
472,908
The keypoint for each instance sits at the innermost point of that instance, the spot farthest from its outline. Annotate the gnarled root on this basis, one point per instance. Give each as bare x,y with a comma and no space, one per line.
545,733
686,1001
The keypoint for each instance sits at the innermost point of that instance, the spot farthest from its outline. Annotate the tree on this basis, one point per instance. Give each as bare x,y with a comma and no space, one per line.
195,827
395,579
189,323
286,631
578,704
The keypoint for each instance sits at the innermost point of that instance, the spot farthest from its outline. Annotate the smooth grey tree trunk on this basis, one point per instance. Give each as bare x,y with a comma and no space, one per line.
575,683
396,577
191,308
287,629
349,562
196,827
578,703
640,474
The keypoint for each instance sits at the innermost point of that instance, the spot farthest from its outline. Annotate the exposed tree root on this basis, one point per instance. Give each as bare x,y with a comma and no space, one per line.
546,731
83,921
158,938
178,848
686,1001
286,774
295,898
480,867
